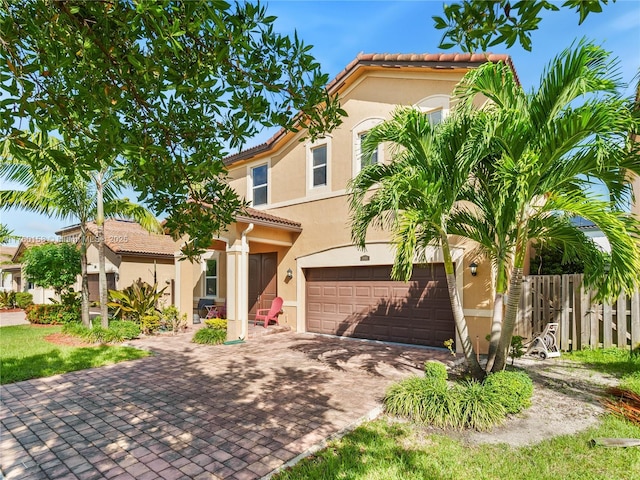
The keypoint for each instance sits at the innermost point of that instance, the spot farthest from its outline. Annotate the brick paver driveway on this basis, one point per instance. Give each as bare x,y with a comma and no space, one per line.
194,411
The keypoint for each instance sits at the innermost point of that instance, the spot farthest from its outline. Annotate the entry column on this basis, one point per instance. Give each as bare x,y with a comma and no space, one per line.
237,294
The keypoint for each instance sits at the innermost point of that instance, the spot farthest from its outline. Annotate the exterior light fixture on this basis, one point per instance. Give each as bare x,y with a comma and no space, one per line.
289,274
473,266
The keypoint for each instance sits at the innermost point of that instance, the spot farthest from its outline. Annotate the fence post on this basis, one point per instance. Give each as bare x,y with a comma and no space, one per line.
621,321
607,325
635,319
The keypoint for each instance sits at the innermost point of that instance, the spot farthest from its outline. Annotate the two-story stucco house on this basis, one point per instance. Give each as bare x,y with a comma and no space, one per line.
295,241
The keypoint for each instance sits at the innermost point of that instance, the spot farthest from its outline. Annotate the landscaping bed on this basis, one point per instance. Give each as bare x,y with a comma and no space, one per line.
551,439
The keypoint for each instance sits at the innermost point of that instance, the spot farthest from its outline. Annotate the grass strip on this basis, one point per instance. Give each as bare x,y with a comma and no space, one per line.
25,354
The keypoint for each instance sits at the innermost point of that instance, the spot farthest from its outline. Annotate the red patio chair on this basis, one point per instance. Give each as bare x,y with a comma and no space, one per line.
266,315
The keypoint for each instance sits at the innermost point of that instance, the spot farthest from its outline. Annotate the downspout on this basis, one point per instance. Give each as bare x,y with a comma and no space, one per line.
243,287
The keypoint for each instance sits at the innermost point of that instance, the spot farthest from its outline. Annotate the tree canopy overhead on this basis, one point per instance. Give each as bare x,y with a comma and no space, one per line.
479,24
172,86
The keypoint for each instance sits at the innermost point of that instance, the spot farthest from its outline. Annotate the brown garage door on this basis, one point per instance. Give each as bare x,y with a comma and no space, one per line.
364,302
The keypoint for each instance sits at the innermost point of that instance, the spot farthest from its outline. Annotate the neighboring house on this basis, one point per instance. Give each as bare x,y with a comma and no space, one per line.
592,231
295,241
7,267
131,253
13,276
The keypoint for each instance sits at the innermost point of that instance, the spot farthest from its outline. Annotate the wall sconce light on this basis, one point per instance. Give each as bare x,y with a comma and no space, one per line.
473,266
289,274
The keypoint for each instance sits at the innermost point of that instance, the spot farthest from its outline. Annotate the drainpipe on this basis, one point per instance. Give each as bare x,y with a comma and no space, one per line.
243,287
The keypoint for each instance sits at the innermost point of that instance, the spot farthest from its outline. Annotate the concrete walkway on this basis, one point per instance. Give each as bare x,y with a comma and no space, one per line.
197,412
8,319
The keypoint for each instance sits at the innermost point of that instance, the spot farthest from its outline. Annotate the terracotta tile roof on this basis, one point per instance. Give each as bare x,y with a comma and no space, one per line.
126,237
253,215
258,216
435,61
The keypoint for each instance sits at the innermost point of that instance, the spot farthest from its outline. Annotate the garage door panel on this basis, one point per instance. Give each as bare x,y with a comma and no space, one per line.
364,302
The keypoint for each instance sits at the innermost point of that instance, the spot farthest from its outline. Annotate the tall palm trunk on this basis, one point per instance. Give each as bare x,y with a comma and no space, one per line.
509,324
515,292
102,273
498,314
458,312
84,290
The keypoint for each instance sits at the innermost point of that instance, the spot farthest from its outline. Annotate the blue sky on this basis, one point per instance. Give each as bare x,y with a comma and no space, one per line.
339,30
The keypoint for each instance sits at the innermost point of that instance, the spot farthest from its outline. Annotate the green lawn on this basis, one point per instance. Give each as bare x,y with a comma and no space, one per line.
388,450
24,354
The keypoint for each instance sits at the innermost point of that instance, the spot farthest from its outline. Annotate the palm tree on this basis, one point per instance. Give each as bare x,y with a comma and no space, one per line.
517,169
414,195
70,196
547,149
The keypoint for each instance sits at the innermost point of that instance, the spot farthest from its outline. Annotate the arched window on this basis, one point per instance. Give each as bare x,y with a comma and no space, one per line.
436,107
359,133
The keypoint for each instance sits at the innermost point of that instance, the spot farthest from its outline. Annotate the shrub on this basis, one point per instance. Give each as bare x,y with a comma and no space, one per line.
8,299
210,336
136,301
469,404
170,319
54,314
149,324
218,323
479,407
435,371
512,390
23,299
102,335
422,400
128,330
116,333
75,329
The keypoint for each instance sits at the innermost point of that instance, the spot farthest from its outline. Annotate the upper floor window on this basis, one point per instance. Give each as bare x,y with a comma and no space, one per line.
370,159
436,107
259,177
360,132
211,278
318,155
435,116
319,166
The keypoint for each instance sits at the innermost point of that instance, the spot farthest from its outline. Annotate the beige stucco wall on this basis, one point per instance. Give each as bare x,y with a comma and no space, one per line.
132,268
324,213
635,207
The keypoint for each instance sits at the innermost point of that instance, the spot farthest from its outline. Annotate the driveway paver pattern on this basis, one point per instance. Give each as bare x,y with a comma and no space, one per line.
195,411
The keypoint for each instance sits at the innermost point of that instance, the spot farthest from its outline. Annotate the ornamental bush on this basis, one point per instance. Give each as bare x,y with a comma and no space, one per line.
116,333
210,336
468,404
126,329
23,300
513,390
435,371
54,314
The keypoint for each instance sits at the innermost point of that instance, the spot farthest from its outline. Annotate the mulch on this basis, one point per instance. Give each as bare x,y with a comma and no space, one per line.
67,340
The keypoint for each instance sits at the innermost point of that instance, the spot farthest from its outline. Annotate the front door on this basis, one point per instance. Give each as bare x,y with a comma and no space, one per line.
263,285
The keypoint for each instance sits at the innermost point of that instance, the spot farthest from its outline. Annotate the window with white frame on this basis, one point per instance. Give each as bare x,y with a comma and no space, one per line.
435,116
319,166
436,107
360,132
370,159
260,187
211,278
